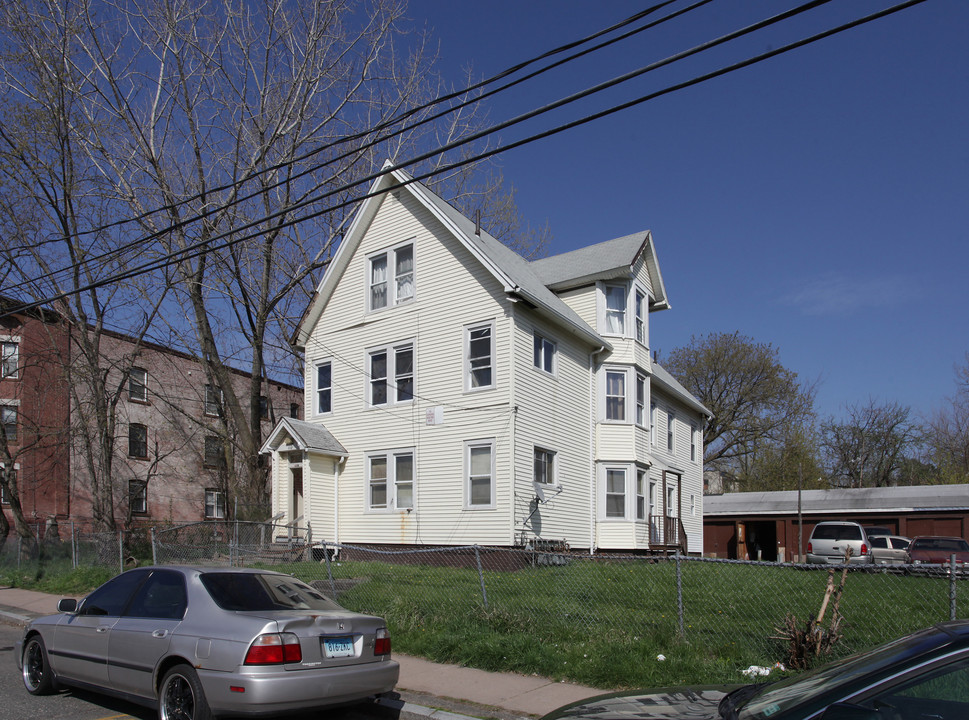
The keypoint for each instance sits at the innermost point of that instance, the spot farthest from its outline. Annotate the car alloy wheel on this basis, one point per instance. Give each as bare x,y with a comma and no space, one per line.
38,678
181,696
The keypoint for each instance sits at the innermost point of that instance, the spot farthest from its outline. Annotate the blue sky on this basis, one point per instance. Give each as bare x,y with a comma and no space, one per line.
818,201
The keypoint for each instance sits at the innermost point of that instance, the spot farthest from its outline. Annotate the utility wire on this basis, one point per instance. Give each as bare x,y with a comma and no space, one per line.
197,249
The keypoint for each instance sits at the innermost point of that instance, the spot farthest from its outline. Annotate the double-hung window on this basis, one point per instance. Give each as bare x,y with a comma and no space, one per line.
391,277
214,503
640,494
8,419
138,385
544,354
214,452
640,316
138,497
213,401
616,309
480,354
616,395
641,400
693,442
479,463
670,432
324,388
652,424
390,480
392,375
544,466
615,493
9,359
138,441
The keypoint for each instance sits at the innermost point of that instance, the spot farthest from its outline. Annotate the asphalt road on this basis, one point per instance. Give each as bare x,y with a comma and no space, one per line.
17,704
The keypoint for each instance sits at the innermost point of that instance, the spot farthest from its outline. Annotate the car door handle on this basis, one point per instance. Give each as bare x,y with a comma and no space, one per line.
159,633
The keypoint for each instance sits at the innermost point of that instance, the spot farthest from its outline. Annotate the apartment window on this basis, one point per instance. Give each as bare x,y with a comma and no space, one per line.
652,424
480,351
544,353
391,480
324,388
138,385
8,420
670,432
294,410
214,504
544,466
263,407
640,494
616,309
615,493
4,499
9,359
641,400
392,375
640,317
693,442
480,473
615,395
383,292
138,497
138,441
214,452
213,401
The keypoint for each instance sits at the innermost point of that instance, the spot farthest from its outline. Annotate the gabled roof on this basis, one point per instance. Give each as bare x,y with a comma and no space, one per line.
510,269
304,436
603,261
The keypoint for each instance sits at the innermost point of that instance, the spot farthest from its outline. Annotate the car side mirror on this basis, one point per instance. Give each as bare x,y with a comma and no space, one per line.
67,605
847,711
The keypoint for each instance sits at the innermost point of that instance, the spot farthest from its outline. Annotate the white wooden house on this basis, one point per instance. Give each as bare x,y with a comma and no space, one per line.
458,394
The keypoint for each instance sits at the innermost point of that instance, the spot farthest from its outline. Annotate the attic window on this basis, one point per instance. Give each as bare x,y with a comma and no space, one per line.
385,291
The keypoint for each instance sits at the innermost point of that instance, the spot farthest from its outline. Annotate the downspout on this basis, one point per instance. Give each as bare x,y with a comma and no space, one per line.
514,424
594,415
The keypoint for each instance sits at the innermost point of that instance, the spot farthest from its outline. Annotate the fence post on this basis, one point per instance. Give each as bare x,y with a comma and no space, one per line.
121,551
73,545
20,550
329,571
308,546
484,591
679,593
952,586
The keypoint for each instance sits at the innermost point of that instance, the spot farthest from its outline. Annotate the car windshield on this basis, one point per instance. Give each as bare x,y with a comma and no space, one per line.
261,592
814,689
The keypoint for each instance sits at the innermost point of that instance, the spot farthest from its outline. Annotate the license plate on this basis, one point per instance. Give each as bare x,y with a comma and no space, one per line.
338,647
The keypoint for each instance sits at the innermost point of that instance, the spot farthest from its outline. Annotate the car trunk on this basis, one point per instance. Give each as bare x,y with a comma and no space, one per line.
328,639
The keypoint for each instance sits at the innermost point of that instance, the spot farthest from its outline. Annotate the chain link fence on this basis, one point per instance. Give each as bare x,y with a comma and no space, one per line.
732,609
68,547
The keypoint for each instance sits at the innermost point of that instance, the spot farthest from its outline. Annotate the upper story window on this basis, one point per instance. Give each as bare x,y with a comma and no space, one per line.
479,463
693,441
294,410
213,401
652,424
324,388
263,407
641,400
616,309
9,359
391,278
8,422
670,434
640,494
138,441
214,503
544,466
641,311
480,353
138,385
4,500
616,395
214,452
544,354
392,375
390,477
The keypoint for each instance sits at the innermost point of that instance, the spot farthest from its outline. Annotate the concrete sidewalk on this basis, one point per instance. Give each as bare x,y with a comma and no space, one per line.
454,686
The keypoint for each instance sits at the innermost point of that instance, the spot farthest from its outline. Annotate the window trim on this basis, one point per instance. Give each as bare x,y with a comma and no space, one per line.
470,445
317,390
218,503
544,352
131,441
218,401
623,313
138,497
607,470
550,462
392,276
391,481
468,372
624,372
390,380
142,384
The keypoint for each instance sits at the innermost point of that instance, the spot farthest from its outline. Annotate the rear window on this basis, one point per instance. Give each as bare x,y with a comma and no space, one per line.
953,544
245,592
836,532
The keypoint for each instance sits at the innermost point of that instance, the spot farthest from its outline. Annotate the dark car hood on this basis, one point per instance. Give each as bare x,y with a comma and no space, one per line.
693,703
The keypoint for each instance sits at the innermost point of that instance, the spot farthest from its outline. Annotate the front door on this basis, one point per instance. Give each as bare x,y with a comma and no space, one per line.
296,502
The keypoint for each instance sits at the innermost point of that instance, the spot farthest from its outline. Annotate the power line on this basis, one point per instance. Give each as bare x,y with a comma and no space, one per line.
196,249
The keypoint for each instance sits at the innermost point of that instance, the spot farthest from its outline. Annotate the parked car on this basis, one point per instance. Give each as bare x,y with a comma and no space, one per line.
889,549
937,550
831,540
922,675
201,642
873,530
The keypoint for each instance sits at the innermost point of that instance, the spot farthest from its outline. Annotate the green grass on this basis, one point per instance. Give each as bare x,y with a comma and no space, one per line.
602,623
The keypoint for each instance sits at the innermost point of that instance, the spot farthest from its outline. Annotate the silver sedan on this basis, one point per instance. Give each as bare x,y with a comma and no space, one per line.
201,642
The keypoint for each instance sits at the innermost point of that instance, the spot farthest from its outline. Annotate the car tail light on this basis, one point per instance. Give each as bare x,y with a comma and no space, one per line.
381,645
274,649
809,547
864,549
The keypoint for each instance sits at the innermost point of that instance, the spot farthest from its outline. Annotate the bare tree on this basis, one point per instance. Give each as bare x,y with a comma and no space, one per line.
754,399
947,436
869,448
